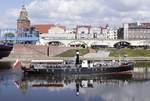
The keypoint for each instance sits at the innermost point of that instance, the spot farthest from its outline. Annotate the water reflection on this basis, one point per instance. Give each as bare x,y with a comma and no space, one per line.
141,74
5,65
128,87
79,81
89,87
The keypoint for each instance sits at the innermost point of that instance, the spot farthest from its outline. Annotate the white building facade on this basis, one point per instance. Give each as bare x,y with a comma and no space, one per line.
94,32
97,33
136,31
57,32
81,32
111,33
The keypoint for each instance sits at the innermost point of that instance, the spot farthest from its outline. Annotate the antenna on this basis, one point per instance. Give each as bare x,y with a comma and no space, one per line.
23,2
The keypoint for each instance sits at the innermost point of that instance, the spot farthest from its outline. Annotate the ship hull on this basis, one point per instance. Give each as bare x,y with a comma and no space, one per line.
4,54
5,50
111,70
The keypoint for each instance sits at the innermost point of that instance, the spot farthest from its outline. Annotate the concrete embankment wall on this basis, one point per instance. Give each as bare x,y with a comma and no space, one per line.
29,52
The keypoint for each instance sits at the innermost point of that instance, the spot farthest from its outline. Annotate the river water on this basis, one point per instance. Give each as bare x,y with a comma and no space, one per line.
14,86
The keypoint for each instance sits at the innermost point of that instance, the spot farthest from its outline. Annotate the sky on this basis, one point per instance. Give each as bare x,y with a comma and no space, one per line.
76,12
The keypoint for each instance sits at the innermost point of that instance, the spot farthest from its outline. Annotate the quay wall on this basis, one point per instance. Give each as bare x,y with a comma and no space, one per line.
29,52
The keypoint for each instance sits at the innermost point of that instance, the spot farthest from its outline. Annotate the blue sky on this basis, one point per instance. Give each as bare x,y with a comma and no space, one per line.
11,4
5,7
75,12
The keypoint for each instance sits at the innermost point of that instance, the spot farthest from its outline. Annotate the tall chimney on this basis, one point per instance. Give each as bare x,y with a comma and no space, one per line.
77,57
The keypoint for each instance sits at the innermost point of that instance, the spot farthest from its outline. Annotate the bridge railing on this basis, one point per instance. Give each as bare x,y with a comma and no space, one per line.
19,38
58,38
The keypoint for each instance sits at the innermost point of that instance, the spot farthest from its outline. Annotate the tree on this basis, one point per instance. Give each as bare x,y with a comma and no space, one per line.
9,35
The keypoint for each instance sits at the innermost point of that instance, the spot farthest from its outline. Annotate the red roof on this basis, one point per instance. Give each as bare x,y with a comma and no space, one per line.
43,28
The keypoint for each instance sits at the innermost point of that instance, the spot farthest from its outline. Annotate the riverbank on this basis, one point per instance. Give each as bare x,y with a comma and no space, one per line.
137,52
11,59
41,51
26,53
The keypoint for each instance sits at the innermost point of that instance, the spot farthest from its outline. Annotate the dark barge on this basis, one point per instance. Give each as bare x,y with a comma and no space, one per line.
5,49
78,67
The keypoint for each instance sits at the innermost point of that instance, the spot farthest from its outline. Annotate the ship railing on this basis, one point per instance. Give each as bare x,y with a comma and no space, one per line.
106,65
49,66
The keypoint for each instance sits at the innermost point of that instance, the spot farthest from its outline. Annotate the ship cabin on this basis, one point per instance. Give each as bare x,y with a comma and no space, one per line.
47,61
45,64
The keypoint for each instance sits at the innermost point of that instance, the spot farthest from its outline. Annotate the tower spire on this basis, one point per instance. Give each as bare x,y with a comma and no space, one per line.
23,22
23,13
23,6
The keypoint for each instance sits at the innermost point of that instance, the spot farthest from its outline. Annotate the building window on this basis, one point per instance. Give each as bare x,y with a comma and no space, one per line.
82,32
94,35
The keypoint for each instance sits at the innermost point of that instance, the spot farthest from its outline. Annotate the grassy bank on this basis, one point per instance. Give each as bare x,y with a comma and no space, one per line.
142,64
72,53
139,52
5,65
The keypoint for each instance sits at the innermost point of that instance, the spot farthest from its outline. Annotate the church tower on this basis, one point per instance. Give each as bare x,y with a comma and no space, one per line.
23,22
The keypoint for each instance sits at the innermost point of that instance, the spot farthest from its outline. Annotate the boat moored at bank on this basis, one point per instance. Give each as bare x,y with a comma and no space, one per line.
5,49
78,66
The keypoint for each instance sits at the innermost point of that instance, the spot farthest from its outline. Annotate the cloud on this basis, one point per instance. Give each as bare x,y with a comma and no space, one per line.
90,11
62,10
123,5
129,92
7,22
74,12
